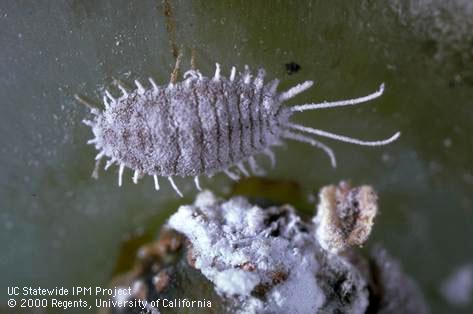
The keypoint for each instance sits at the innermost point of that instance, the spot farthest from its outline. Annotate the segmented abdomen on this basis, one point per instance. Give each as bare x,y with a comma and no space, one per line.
196,127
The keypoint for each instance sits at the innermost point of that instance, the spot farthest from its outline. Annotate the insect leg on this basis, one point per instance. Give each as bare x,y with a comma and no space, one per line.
81,100
247,75
193,65
109,163
124,91
339,103
156,182
232,74
255,168
136,176
120,86
259,79
95,172
120,174
272,86
271,156
293,91
110,96
231,175
243,169
153,83
305,139
174,186
343,138
217,72
175,72
140,87
105,102
197,183
88,123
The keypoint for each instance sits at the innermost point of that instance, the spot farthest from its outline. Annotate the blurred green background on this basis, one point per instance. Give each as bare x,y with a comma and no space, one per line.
59,227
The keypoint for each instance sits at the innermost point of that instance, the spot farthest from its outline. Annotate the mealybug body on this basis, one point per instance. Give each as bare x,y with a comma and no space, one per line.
202,126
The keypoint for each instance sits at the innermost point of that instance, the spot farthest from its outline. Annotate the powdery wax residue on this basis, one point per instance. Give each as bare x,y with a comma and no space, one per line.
267,259
203,126
457,289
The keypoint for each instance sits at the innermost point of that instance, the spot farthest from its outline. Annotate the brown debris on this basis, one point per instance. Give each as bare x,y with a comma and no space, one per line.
151,259
278,276
345,216
247,266
171,27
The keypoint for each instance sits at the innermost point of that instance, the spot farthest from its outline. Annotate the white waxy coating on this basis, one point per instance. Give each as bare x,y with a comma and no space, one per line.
203,126
242,248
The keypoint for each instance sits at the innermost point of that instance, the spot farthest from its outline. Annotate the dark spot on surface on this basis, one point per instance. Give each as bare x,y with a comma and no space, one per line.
278,276
302,228
292,67
343,289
